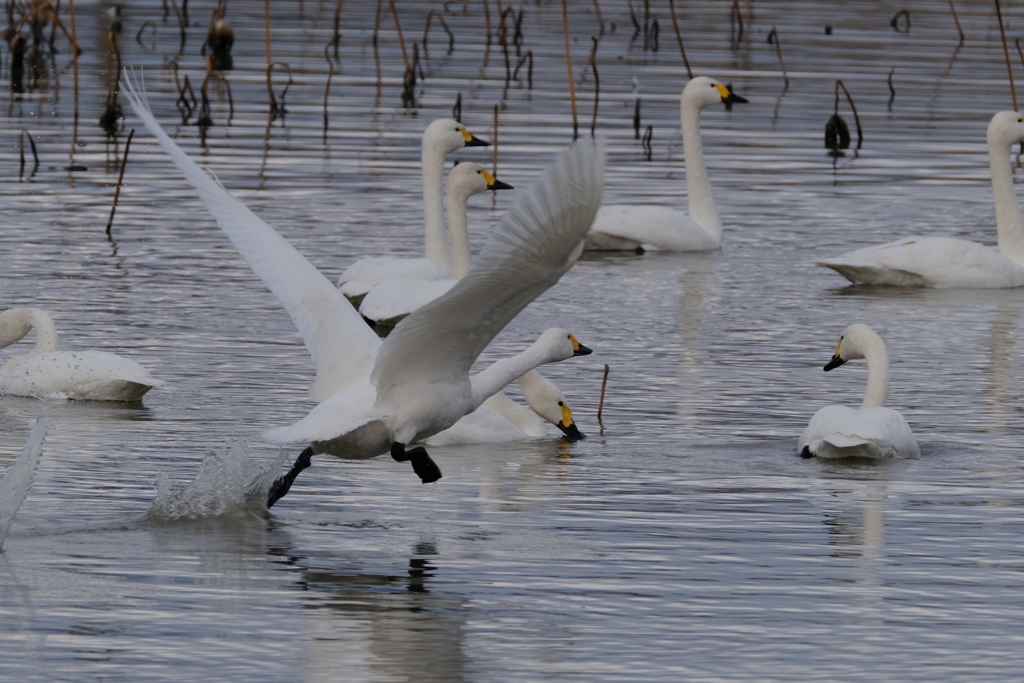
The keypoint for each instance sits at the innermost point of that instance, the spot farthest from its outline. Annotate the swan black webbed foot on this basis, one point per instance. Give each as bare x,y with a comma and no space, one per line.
283,484
806,453
422,465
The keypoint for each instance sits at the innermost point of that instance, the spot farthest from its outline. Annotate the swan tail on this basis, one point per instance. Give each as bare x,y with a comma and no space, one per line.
866,273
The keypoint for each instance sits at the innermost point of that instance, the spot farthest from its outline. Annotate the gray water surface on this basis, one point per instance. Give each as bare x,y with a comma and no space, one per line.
684,539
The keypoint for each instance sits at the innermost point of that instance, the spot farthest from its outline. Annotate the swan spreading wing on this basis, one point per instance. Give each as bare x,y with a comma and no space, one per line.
341,344
533,245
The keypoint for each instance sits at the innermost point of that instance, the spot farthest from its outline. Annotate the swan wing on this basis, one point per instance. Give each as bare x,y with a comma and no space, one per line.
533,245
341,344
939,262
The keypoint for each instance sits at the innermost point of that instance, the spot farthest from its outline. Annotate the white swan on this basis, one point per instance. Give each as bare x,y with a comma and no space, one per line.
872,431
393,299
631,227
947,262
440,138
45,372
381,396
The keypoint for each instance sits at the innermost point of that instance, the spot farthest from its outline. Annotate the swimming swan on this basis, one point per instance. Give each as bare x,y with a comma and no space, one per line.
630,227
441,137
45,372
393,299
872,431
947,262
380,396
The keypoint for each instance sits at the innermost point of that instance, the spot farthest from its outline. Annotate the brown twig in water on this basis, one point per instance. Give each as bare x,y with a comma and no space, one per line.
494,145
568,63
279,108
457,108
529,71
636,120
120,177
487,22
600,404
266,33
646,142
1006,52
337,27
856,118
21,151
401,40
503,40
679,38
181,24
597,84
600,19
957,20
444,25
327,88
892,90
735,18
895,23
773,36
376,22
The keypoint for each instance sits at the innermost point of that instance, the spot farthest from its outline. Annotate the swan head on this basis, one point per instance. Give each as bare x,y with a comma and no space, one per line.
704,92
548,401
448,135
853,344
467,179
556,344
1005,129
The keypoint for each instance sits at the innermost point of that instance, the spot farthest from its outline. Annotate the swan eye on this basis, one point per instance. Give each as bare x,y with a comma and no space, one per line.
560,403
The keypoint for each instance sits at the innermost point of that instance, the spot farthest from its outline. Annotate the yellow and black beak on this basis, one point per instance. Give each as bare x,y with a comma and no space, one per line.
568,426
474,141
836,360
728,96
579,349
495,184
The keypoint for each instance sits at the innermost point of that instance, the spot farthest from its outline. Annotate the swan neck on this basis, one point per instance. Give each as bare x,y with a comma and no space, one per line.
1009,224
18,322
432,168
494,378
458,233
702,207
878,376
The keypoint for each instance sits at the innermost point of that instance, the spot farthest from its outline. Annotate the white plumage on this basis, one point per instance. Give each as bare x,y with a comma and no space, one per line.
947,262
872,431
629,227
45,372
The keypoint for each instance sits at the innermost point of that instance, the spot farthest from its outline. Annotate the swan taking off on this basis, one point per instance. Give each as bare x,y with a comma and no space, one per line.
378,397
871,431
441,137
45,372
947,262
627,227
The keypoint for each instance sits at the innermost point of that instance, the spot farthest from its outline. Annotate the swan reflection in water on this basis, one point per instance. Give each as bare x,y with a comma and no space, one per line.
393,627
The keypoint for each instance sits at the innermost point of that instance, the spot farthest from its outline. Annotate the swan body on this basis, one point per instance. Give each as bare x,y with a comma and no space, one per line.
441,137
632,227
393,299
943,262
46,372
374,395
871,431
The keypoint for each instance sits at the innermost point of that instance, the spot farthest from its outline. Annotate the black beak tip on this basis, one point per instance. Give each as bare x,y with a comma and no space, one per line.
474,141
733,97
834,363
498,185
572,432
582,350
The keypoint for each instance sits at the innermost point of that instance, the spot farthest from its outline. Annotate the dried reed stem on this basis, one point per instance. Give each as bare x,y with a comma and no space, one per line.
568,63
1006,52
957,20
679,38
600,404
774,34
120,178
853,107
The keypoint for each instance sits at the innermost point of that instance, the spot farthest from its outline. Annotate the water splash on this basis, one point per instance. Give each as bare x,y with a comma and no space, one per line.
16,483
228,484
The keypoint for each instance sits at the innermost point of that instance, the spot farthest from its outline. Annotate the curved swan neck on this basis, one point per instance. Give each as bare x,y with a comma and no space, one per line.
432,168
18,322
878,374
494,378
698,186
458,232
1009,224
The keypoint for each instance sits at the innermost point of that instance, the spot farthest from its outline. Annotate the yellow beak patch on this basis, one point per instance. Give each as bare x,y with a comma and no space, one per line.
839,345
722,90
487,176
566,416
575,344
466,134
